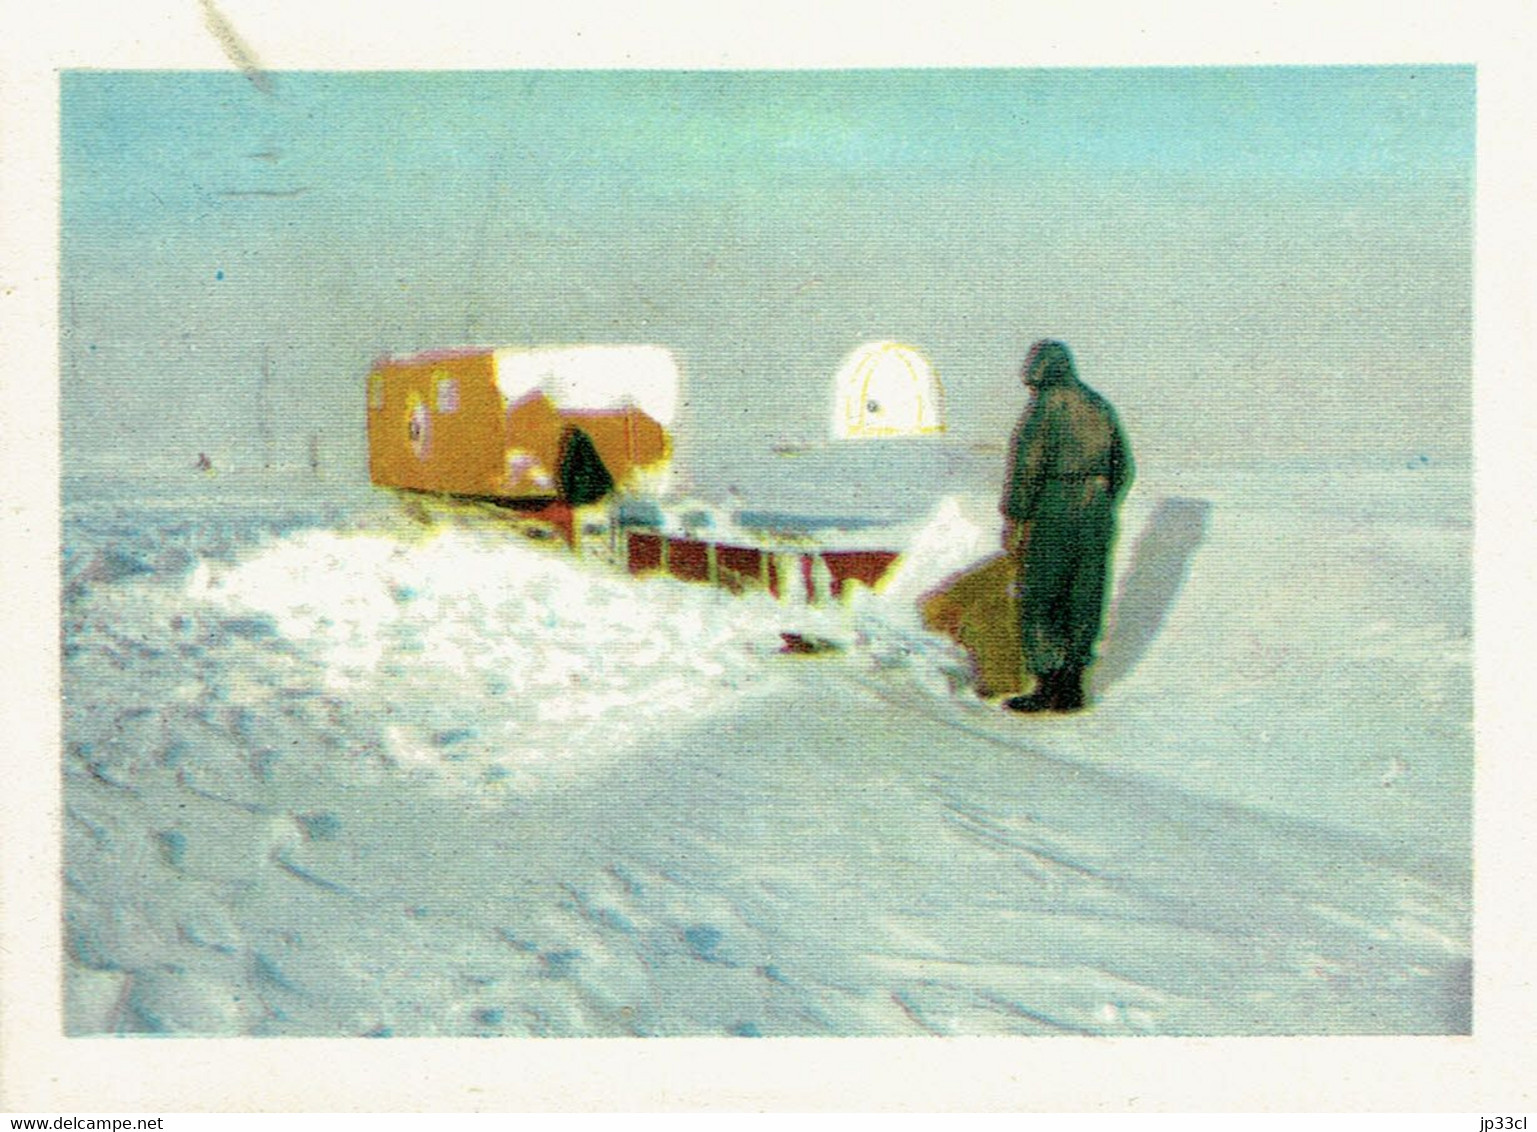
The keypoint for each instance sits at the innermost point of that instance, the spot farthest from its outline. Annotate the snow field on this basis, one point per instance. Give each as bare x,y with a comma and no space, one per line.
348,775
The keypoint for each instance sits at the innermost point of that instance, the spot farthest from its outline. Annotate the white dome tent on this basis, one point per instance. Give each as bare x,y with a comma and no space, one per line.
887,389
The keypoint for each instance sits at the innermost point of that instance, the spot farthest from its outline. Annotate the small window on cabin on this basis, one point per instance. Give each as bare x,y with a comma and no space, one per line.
448,395
418,428
376,391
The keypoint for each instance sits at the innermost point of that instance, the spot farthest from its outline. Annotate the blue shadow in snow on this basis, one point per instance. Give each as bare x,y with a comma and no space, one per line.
1160,562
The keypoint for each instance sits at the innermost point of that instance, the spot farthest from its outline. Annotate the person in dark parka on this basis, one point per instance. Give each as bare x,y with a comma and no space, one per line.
1069,468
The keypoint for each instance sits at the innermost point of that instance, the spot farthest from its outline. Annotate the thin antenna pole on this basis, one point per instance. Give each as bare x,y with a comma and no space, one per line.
264,407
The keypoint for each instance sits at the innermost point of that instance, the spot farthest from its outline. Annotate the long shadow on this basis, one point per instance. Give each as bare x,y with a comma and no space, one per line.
1160,561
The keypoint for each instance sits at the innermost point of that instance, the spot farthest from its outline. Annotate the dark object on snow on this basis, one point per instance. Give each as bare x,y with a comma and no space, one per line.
800,645
204,464
1060,692
583,478
1069,468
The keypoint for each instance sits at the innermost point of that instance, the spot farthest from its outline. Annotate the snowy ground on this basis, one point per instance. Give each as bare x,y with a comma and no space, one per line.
332,772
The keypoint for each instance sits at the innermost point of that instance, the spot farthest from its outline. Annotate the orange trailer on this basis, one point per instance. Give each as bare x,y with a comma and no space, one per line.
555,429
501,423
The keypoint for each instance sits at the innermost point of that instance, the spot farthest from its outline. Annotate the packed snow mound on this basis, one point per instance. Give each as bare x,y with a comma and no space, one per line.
593,378
492,655
960,532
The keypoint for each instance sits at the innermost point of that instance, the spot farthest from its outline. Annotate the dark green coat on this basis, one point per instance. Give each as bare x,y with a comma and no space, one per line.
1070,467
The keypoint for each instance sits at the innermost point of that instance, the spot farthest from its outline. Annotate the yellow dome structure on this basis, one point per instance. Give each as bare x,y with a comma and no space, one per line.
886,389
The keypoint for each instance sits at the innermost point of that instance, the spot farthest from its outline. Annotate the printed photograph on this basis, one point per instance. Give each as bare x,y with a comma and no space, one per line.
800,553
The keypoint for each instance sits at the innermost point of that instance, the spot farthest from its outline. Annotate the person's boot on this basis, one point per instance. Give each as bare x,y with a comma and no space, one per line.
1044,698
1068,691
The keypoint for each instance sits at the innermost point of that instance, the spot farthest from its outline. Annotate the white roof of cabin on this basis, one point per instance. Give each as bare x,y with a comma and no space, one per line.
593,377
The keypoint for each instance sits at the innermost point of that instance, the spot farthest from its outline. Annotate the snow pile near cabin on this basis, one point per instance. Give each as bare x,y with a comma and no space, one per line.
487,659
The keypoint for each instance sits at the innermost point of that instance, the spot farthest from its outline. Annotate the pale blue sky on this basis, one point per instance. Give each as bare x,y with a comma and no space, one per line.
1250,262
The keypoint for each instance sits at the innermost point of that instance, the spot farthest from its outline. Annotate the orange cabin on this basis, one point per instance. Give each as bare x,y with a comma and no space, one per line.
497,423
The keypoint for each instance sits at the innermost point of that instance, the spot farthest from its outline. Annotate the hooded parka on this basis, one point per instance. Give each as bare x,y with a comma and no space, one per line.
1070,466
